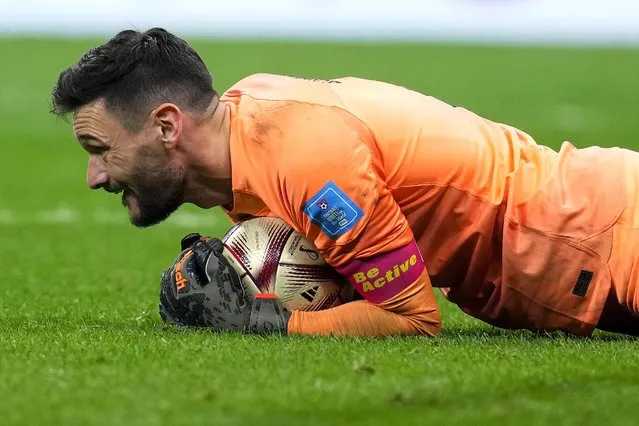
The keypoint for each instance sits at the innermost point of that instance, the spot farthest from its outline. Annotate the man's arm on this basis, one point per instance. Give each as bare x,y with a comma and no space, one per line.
330,189
413,311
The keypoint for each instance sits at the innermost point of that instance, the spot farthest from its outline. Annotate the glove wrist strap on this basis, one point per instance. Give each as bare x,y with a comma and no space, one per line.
267,316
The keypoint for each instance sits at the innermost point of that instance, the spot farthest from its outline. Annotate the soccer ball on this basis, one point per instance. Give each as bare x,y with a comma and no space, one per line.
271,257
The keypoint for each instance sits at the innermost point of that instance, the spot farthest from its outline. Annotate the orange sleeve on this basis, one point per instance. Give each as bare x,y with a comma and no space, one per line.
325,183
412,311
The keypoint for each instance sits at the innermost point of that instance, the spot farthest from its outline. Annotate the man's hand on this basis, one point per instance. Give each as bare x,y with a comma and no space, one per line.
201,289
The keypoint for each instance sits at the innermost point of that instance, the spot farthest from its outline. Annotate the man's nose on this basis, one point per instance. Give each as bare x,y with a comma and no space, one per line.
97,175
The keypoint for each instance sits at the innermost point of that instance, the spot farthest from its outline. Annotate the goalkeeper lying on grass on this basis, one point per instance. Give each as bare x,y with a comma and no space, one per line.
515,233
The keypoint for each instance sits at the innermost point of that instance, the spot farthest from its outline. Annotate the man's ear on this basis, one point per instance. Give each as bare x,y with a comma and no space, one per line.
168,118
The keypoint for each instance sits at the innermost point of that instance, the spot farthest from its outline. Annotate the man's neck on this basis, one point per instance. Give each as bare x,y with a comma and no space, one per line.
209,158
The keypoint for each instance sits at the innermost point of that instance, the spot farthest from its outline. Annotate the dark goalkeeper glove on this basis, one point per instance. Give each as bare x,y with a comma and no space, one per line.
201,289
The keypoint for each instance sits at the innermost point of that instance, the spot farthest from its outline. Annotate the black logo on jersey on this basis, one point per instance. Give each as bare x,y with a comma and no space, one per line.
582,284
311,253
310,294
318,80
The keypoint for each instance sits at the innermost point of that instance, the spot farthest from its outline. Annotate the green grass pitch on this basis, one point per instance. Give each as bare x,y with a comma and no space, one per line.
80,339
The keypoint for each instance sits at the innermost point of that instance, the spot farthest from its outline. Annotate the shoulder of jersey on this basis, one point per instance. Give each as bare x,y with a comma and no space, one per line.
280,88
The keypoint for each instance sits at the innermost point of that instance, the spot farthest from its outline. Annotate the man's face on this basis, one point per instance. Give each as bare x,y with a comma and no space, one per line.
135,165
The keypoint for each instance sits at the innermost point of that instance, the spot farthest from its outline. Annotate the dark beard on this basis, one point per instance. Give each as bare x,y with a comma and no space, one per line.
158,189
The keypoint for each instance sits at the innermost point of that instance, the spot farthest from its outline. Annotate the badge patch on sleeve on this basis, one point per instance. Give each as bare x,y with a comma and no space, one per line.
333,211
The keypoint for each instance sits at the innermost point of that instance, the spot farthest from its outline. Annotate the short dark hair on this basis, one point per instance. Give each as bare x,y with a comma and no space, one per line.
133,73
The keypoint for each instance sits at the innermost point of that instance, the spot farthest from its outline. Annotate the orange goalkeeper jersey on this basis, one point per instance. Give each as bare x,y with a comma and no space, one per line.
390,183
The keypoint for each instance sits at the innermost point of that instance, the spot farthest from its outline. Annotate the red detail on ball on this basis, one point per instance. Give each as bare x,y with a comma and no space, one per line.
272,255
